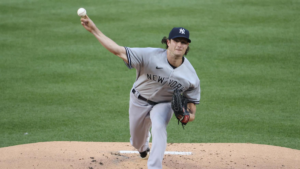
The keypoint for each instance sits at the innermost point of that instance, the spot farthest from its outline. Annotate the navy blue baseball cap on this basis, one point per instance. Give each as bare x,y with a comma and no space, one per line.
180,32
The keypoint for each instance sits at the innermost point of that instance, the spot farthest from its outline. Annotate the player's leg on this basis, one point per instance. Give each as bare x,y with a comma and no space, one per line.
140,123
160,116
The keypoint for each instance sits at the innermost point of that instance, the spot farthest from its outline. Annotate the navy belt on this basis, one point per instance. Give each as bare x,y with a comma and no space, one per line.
143,98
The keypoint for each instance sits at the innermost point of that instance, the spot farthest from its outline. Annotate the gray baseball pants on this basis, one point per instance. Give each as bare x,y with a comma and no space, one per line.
142,117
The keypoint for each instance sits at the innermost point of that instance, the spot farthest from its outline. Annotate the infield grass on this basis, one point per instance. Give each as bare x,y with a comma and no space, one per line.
57,83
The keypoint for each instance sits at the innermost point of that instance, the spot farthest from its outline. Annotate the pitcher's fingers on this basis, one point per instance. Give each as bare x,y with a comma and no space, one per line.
84,18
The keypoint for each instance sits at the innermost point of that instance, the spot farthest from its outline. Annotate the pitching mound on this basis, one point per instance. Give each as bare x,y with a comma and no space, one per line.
93,155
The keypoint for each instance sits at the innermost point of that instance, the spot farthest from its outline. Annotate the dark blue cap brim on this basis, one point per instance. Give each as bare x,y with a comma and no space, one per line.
181,37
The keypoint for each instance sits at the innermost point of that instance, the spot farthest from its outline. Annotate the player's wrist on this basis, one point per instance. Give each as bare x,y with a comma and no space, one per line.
96,32
192,117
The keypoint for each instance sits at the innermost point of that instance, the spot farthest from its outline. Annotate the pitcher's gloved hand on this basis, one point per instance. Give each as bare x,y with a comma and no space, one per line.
179,106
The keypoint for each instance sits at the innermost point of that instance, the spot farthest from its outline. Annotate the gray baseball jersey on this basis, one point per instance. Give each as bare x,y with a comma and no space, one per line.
156,79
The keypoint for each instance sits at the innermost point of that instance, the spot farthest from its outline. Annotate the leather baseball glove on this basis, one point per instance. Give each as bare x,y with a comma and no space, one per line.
179,106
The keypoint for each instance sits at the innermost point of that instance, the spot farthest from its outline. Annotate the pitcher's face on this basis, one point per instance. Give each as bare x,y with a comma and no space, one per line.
178,46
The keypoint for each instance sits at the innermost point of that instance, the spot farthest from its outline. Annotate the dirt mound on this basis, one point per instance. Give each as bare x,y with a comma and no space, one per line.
94,155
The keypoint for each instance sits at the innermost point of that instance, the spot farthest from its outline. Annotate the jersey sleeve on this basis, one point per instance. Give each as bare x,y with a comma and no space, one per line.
193,94
136,57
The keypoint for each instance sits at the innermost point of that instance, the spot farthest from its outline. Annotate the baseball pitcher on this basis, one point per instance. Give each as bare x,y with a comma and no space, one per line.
166,82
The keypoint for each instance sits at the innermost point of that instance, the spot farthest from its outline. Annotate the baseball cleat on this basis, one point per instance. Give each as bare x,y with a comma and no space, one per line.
144,154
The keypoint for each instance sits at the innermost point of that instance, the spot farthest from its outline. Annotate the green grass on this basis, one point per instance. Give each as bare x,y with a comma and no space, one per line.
57,83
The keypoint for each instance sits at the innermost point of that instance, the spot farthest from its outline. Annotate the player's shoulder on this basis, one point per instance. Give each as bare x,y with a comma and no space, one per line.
154,50
189,66
159,52
147,49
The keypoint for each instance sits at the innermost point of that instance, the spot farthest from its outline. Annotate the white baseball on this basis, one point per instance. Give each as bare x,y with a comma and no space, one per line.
81,12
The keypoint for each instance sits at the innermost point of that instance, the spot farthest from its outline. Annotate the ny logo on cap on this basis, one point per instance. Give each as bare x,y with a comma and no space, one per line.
182,31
